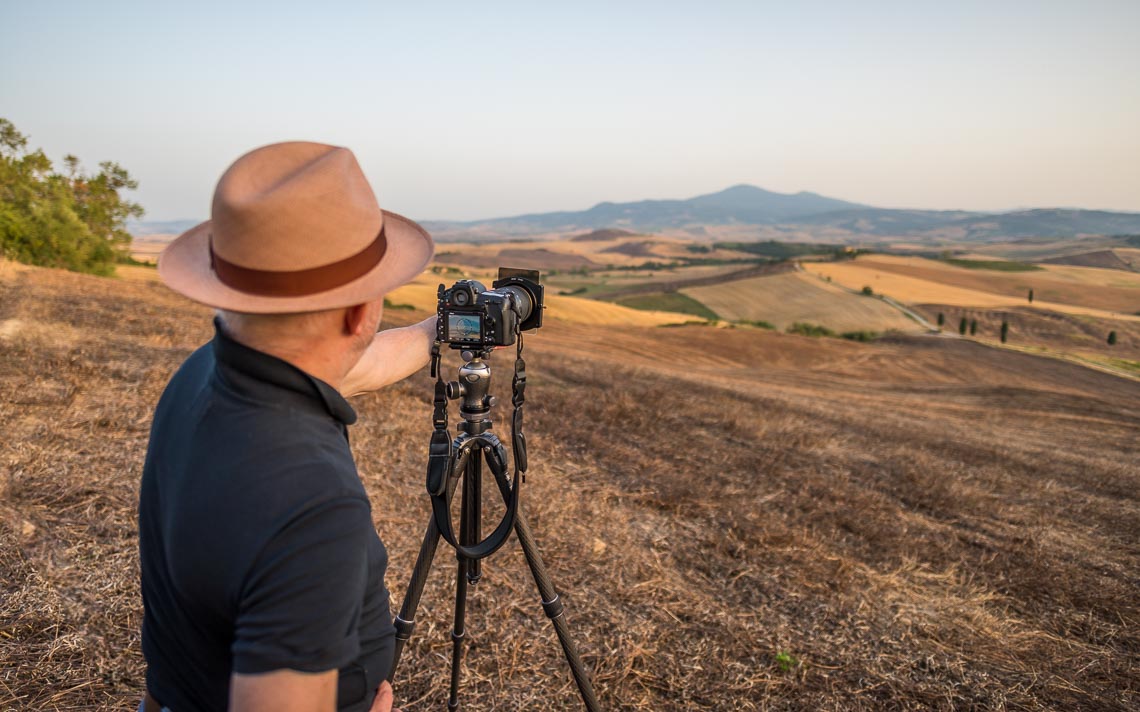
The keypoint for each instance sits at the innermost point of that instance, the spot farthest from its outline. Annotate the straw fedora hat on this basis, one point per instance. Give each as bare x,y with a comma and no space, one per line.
294,227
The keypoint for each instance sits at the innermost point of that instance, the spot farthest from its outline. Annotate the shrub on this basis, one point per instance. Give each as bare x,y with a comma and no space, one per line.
757,324
859,335
867,291
805,329
1112,338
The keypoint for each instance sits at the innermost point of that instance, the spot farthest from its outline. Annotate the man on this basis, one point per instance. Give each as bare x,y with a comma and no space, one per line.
262,574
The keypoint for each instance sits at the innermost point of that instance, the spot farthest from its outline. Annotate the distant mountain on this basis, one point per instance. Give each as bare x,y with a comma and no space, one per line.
804,213
762,214
138,228
740,205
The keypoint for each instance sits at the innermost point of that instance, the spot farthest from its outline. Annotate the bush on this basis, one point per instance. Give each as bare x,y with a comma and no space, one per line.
859,335
805,329
867,291
1112,338
757,324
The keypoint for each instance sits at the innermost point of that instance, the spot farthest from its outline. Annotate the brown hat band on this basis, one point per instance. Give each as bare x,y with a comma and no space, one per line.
298,283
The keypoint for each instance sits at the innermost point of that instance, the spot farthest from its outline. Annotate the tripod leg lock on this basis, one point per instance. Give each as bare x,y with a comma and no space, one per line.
404,628
553,608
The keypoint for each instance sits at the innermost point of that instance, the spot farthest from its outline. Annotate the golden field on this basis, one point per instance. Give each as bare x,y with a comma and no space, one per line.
784,299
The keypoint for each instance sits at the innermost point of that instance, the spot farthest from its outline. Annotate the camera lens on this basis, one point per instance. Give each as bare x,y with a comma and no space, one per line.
522,298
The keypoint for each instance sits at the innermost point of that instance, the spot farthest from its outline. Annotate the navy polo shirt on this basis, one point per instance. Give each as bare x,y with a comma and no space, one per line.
256,541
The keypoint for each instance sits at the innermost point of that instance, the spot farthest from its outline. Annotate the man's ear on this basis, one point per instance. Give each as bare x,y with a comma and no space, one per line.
355,319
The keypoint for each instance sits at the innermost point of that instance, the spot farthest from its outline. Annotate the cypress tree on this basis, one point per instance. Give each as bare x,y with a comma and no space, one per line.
941,319
1030,296
973,327
1112,338
962,326
1004,330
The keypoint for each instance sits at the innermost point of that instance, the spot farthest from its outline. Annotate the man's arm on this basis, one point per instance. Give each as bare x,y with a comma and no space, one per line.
292,691
284,691
394,354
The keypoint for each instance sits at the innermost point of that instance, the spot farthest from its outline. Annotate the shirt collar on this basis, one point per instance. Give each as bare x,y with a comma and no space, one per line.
270,371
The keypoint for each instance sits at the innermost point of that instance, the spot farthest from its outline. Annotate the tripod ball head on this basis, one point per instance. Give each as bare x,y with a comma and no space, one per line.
472,387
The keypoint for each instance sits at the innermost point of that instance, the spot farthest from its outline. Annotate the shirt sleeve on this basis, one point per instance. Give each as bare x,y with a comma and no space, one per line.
301,604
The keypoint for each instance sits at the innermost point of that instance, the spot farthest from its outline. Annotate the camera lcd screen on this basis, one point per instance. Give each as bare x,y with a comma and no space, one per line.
464,327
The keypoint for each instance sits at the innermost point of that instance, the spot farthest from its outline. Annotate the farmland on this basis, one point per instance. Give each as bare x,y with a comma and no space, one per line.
784,299
918,280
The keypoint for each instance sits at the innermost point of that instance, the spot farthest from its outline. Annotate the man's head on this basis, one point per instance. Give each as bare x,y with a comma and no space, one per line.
295,228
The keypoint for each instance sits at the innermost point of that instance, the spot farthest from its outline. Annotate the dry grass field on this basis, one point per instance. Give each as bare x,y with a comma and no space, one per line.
738,520
1087,287
1130,255
1071,290
783,299
146,248
568,253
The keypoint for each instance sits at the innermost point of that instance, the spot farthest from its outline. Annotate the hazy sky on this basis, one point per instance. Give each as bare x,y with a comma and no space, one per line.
480,109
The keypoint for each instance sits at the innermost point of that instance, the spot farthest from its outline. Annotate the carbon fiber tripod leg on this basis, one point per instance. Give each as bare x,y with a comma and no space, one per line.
406,620
552,605
468,535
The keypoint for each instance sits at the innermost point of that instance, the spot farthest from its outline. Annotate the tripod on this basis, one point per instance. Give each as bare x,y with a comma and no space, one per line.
449,463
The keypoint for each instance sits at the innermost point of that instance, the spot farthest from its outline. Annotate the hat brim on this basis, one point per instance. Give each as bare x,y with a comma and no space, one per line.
185,267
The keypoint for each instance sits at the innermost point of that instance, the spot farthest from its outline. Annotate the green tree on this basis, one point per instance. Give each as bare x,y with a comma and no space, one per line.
1112,338
941,319
973,327
867,291
962,326
1004,330
71,220
1030,296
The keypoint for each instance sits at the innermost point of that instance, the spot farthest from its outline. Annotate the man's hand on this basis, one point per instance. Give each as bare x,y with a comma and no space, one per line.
394,355
383,701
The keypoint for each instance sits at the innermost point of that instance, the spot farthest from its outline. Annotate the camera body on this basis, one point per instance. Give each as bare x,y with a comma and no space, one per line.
472,317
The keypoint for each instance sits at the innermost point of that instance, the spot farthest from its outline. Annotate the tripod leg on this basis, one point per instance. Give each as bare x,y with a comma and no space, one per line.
468,518
406,620
473,492
552,605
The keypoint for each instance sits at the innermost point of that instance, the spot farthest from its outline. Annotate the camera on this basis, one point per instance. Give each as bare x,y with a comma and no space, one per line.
472,317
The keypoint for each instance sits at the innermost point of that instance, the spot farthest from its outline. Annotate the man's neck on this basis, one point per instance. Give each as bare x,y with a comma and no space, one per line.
323,360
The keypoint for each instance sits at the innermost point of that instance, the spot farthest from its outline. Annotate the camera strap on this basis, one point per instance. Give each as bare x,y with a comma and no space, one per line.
439,451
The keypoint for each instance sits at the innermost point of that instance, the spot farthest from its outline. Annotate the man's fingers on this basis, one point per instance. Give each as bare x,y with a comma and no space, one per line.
383,701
